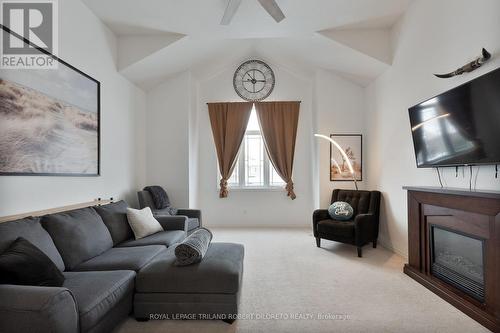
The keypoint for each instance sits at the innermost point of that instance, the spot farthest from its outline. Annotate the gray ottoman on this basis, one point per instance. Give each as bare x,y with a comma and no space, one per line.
206,290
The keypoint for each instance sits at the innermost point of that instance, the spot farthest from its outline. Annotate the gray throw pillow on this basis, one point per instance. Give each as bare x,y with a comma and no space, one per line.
25,264
30,229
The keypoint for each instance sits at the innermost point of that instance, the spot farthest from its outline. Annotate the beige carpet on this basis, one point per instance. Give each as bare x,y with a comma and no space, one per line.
287,275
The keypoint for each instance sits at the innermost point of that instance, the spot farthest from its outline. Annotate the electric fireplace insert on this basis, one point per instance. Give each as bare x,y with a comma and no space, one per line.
458,259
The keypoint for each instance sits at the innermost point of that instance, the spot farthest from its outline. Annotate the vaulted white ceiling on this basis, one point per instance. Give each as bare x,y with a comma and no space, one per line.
158,38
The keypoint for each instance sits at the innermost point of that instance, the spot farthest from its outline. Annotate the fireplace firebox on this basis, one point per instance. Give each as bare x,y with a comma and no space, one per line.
454,248
458,259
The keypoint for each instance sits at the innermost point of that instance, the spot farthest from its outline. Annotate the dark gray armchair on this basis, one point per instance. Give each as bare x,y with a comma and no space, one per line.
193,215
360,230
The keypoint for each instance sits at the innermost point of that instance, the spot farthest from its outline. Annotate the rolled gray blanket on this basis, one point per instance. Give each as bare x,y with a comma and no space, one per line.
193,248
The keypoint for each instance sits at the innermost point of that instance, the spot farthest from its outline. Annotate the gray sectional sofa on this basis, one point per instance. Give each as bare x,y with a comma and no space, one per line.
108,274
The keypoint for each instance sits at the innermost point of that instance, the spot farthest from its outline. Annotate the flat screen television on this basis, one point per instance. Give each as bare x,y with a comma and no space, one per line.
460,126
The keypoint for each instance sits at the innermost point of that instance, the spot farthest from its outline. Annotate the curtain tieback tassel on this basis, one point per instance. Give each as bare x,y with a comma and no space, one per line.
289,189
223,188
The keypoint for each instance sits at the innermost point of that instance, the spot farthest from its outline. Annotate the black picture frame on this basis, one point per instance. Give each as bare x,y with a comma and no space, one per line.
331,164
98,108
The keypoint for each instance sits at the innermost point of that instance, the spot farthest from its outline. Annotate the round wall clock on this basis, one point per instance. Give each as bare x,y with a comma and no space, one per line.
253,80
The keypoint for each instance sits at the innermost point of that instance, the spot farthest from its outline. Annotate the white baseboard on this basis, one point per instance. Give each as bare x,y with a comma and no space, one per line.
381,241
387,245
256,226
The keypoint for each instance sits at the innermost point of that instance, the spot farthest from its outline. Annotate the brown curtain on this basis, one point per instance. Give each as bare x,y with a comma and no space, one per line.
278,122
229,123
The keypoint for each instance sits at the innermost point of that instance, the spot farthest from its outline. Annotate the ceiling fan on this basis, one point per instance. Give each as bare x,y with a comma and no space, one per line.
269,5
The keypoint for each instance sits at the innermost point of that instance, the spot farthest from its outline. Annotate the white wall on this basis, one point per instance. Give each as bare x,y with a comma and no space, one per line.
87,44
194,146
181,153
172,145
433,37
167,127
257,208
340,110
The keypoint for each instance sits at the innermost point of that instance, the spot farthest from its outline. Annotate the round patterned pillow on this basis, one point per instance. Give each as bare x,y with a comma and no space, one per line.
340,211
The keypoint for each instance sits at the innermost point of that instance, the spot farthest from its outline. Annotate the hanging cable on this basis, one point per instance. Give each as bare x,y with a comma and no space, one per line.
470,178
439,177
456,171
496,170
475,178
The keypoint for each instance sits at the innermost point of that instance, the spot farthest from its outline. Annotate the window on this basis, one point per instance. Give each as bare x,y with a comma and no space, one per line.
253,168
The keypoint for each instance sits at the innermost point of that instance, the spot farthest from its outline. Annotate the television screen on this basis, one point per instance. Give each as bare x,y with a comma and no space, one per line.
460,126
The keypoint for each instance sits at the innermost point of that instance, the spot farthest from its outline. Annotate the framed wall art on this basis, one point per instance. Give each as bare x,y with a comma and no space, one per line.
352,144
49,121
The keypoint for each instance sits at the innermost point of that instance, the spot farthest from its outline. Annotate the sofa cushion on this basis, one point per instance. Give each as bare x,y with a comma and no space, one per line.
24,264
344,229
166,238
219,272
79,235
114,217
122,258
31,230
193,223
97,293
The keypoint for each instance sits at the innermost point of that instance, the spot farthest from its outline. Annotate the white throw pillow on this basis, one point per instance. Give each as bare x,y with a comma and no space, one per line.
143,222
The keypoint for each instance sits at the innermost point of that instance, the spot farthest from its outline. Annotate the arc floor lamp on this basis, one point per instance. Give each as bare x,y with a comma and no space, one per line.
344,155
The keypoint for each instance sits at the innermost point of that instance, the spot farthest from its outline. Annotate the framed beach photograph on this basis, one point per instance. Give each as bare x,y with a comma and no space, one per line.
49,122
352,144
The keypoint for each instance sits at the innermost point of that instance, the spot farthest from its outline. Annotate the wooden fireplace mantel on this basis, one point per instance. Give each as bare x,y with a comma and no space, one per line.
455,191
472,213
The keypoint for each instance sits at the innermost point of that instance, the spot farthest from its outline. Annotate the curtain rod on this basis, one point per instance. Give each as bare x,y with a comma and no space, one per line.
254,102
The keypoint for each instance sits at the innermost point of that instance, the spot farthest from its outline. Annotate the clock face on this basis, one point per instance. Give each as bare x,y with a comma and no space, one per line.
253,80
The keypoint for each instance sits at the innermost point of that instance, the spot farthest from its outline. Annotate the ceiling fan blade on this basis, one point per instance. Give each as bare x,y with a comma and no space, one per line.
273,9
232,7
